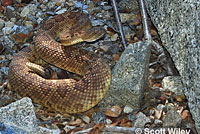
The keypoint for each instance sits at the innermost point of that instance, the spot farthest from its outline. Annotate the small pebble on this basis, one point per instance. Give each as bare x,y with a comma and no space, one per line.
86,119
7,30
156,121
114,37
108,121
9,12
9,24
30,9
128,109
29,24
13,19
80,5
51,4
61,11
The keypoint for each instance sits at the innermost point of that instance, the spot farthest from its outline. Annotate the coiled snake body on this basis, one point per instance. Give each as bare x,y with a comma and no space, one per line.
64,95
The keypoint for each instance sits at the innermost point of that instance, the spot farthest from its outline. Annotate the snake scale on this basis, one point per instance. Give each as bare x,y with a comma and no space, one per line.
64,95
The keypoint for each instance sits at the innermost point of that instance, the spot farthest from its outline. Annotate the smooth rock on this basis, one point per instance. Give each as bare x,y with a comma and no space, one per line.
178,25
141,120
20,117
174,84
129,77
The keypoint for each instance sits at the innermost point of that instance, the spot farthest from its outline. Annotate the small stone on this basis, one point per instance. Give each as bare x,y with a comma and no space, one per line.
50,13
99,118
13,20
4,70
61,11
132,116
115,111
128,6
86,119
18,1
30,9
9,12
114,37
160,107
174,84
172,119
156,121
141,120
97,22
108,121
9,24
43,7
99,15
7,30
29,24
39,20
127,17
107,7
80,5
128,109
51,4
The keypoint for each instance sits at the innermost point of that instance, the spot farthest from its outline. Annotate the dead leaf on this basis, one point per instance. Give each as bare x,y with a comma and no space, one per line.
115,111
97,128
77,122
180,98
162,98
1,8
158,114
157,85
116,57
185,114
125,123
153,31
6,3
21,38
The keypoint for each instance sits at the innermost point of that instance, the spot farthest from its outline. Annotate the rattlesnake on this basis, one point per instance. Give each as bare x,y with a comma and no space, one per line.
64,95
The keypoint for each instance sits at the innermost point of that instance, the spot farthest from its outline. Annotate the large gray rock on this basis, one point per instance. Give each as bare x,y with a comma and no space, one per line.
178,24
129,77
19,117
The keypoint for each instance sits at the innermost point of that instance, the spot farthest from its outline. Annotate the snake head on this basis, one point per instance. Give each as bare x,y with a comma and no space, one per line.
68,38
